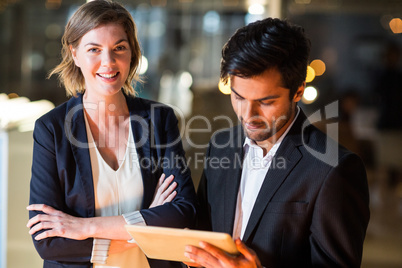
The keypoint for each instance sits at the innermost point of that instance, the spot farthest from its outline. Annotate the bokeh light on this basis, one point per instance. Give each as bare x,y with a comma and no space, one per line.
143,65
185,80
224,88
396,25
318,66
310,74
310,95
211,22
256,9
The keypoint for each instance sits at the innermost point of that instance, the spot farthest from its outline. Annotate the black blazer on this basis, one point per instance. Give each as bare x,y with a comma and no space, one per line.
312,209
62,175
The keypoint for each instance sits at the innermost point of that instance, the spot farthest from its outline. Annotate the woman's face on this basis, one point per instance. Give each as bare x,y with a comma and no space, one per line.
104,57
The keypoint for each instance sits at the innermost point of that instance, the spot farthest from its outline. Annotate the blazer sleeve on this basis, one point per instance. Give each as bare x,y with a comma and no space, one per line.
181,212
46,188
341,216
204,212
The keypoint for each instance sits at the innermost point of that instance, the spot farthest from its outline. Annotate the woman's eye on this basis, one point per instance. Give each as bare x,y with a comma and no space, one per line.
120,48
94,50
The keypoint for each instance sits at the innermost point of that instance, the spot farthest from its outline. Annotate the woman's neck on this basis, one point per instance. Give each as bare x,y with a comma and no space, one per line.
97,106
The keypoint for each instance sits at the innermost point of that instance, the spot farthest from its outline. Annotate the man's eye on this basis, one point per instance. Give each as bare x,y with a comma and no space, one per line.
267,103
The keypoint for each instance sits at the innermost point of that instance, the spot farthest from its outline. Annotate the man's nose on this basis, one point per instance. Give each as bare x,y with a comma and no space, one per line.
250,110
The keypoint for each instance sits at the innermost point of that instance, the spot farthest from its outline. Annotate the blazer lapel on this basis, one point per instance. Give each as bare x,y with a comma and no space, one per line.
141,128
232,181
282,164
75,130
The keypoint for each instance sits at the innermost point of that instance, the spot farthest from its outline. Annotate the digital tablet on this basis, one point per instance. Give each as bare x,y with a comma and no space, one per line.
169,243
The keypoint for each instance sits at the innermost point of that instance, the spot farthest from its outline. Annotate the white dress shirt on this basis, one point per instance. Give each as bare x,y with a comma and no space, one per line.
117,192
255,168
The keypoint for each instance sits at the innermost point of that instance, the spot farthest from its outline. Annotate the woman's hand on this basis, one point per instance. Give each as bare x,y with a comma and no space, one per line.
164,193
56,223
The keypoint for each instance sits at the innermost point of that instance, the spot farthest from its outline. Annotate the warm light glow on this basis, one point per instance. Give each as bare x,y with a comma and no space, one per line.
310,74
318,66
224,88
256,9
310,95
20,112
143,65
396,25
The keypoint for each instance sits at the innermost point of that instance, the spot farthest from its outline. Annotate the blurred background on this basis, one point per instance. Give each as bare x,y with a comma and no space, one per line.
355,63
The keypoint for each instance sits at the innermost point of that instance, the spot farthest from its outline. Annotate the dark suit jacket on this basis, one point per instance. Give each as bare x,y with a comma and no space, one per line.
312,209
62,175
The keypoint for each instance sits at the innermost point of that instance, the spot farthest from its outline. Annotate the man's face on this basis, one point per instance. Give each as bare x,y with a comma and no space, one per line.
263,105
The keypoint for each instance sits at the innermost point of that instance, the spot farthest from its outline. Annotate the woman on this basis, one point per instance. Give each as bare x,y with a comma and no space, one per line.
98,157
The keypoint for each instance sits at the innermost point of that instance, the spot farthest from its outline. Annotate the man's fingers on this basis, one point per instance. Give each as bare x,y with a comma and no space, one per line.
248,253
200,256
241,247
214,251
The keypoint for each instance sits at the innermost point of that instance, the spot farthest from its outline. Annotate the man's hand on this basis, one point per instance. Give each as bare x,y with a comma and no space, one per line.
210,256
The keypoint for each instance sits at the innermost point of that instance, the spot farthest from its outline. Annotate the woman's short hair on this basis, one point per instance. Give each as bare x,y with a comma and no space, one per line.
88,17
267,44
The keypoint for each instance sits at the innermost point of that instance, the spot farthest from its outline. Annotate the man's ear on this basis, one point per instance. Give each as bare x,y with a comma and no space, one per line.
74,54
299,93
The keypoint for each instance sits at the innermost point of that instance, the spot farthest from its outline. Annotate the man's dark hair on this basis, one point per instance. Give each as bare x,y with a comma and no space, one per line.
266,44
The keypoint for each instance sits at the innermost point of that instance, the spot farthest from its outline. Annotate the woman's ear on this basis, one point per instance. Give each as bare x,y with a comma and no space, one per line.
74,54
299,93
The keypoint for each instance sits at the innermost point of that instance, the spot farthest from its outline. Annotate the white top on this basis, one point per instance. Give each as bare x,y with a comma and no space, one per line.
116,192
255,168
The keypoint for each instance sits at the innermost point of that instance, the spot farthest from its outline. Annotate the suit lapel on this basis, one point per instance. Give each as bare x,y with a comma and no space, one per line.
75,130
232,180
282,164
141,128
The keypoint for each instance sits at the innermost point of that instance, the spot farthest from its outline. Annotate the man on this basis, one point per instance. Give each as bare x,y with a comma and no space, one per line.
294,197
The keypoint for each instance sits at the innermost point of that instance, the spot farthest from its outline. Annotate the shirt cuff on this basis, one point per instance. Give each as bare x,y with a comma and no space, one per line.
100,250
134,218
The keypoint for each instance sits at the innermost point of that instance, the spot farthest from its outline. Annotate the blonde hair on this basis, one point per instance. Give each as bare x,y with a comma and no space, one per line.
90,16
